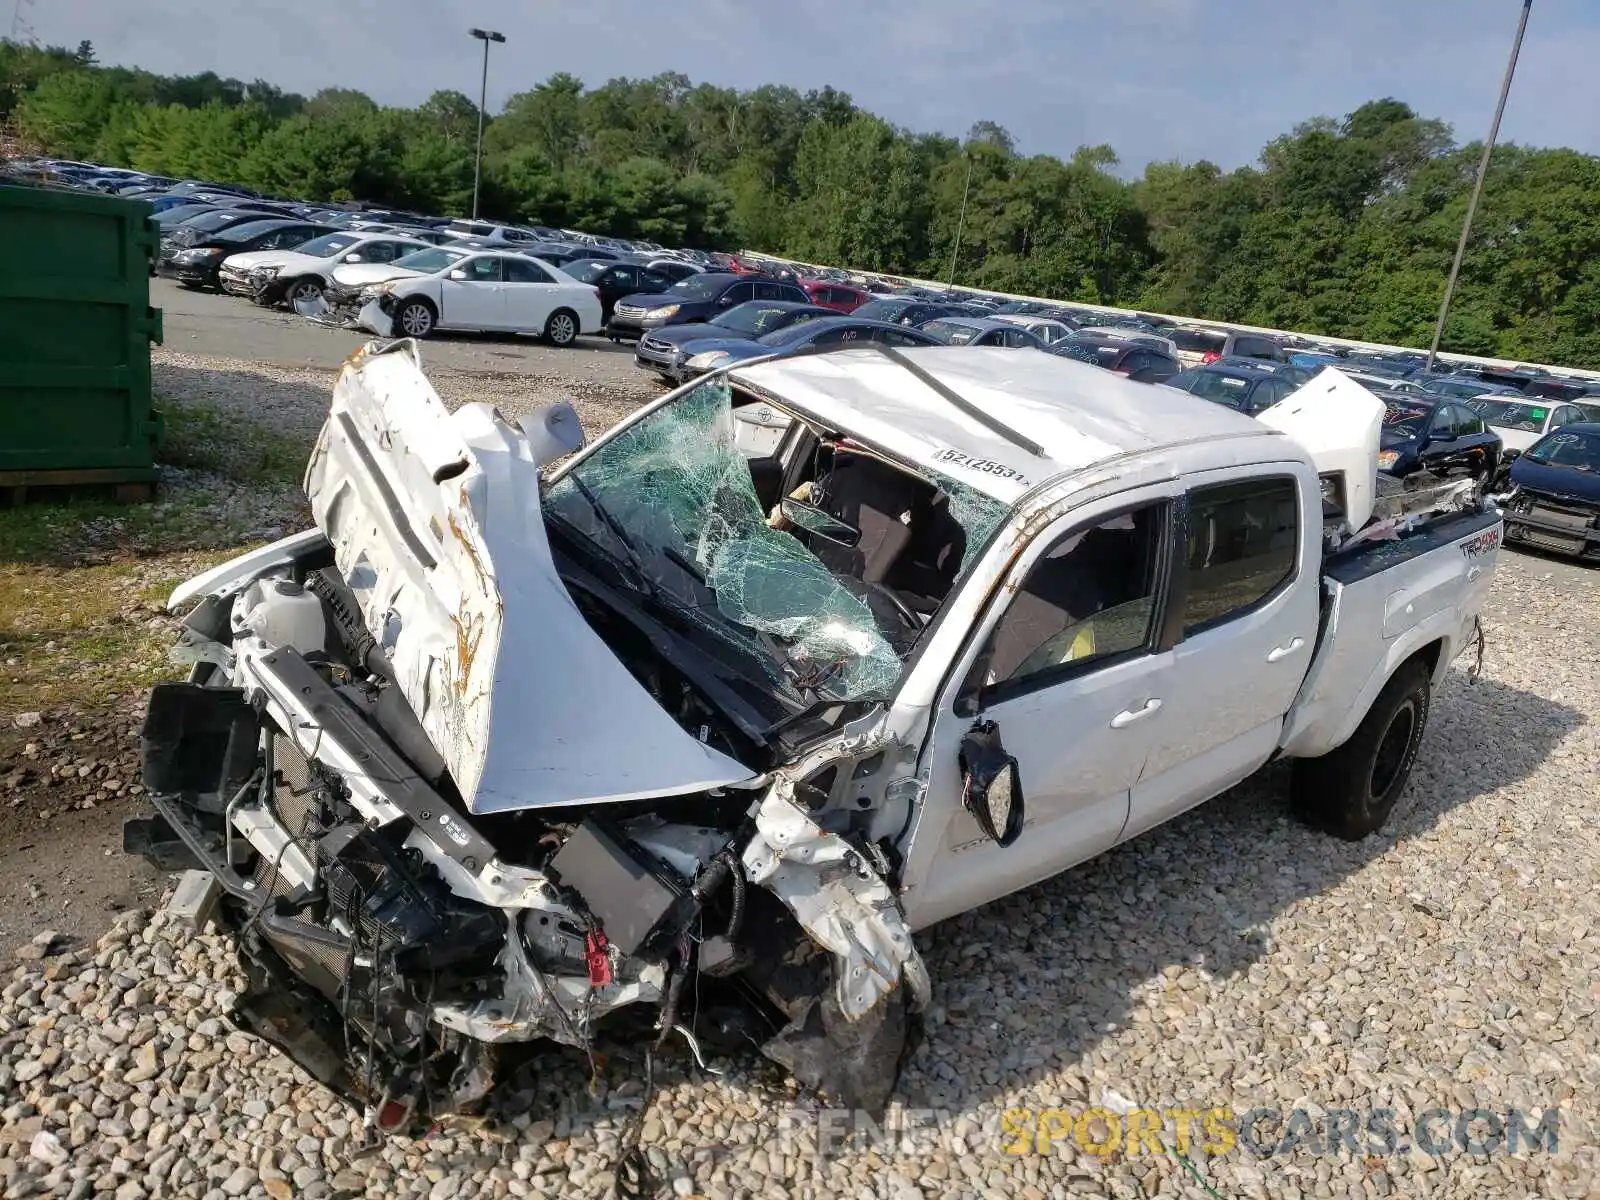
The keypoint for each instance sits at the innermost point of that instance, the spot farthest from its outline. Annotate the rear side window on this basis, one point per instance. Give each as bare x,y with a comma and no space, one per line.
1199,341
1254,347
520,270
1243,545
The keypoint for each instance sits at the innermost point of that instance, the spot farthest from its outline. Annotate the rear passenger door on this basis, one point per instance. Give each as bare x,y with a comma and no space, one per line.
1244,612
531,295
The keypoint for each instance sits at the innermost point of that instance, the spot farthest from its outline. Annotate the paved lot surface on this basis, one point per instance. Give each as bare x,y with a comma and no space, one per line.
221,326
1229,960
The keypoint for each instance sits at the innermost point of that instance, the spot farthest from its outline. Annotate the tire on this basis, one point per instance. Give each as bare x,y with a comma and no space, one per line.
562,328
415,318
1350,792
308,287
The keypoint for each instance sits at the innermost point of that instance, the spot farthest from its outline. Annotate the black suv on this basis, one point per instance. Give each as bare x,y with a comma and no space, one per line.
697,298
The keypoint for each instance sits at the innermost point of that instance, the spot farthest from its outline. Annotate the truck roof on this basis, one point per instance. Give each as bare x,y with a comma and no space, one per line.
1073,414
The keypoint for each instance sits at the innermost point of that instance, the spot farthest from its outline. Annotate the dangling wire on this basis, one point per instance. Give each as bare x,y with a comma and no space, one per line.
634,1178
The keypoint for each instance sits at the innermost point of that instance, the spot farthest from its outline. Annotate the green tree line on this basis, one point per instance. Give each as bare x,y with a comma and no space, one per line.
1343,226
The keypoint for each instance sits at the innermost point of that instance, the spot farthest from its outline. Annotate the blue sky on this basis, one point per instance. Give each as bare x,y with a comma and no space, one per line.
1157,79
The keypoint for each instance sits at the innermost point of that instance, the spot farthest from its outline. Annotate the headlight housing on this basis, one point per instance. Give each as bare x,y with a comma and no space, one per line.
192,256
1387,459
373,290
708,360
267,272
662,313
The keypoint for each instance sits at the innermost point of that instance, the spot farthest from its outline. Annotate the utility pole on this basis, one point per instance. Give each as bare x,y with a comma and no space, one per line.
485,36
961,224
1477,187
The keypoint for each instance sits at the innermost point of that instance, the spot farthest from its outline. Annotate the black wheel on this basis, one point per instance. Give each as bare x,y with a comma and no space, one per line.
562,327
415,319
1350,792
306,288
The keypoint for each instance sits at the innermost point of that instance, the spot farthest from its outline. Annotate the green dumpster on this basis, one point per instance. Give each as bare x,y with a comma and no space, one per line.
75,333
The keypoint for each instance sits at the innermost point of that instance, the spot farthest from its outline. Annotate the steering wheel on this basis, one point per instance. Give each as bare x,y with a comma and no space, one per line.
901,608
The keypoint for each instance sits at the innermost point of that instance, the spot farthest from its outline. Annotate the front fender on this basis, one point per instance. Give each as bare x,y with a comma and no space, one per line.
839,900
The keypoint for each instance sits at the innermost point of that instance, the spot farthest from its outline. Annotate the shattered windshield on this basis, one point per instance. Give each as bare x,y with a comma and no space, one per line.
673,495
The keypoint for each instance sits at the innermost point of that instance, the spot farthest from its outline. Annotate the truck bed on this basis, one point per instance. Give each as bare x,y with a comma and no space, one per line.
1383,602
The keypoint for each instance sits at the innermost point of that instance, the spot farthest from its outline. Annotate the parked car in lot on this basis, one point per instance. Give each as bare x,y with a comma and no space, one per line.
1437,435
673,268
1125,356
1243,390
614,280
981,653
1048,330
271,277
981,331
1520,422
1554,500
665,350
712,354
190,230
1198,347
840,297
696,298
1459,388
441,288
197,264
906,310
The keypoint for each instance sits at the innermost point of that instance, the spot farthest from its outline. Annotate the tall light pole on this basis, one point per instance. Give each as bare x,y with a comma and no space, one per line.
962,222
1477,188
485,36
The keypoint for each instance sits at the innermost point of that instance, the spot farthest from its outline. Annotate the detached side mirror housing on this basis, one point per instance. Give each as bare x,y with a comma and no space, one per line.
554,431
992,784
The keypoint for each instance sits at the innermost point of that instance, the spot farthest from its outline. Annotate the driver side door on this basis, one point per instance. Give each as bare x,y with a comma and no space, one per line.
1070,662
472,294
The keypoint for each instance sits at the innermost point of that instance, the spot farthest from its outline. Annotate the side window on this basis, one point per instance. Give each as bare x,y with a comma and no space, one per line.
836,337
771,291
1444,420
622,277
1466,420
522,271
739,293
1090,598
1138,360
895,337
484,270
649,278
1243,545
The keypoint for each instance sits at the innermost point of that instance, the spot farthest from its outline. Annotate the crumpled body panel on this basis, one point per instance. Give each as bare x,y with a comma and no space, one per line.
436,527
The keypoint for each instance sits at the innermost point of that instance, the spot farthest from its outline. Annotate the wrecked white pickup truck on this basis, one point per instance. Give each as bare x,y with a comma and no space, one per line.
694,733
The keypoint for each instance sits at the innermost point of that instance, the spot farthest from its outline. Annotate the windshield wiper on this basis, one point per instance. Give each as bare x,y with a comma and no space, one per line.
642,580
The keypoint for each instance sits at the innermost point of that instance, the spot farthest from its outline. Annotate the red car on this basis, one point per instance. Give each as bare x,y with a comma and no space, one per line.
837,296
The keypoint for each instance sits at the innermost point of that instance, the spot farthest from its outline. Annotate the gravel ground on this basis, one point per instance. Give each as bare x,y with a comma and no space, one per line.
1231,959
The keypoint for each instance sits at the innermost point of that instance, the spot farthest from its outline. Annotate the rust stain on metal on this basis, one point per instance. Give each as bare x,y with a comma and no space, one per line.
469,636
467,544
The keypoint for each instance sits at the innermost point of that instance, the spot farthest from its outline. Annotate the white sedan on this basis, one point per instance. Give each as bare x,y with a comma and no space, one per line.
274,276
447,288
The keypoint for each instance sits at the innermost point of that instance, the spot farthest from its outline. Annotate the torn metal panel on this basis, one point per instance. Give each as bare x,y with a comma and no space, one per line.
436,527
840,901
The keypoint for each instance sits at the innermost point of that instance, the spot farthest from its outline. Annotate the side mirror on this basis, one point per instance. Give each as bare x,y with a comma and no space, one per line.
725,302
553,431
992,790
458,274
353,258
814,520
1443,435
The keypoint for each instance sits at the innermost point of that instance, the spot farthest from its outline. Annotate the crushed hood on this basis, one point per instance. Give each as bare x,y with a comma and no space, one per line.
436,526
1337,422
362,274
